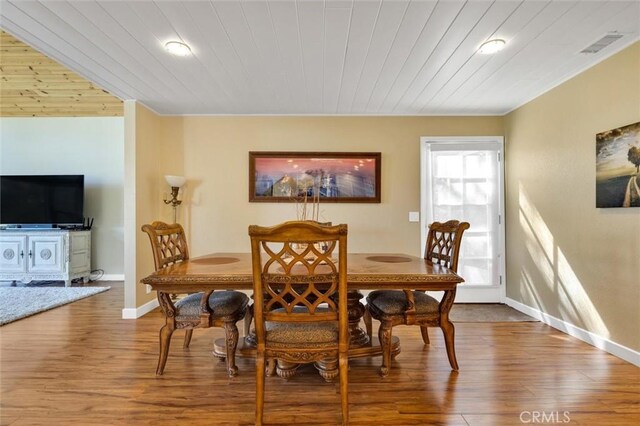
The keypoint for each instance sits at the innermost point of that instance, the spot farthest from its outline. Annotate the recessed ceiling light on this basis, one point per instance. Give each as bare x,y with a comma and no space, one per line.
177,48
491,46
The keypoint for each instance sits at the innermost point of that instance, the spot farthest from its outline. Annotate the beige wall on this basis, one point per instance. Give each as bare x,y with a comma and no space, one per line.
216,164
152,150
564,256
212,152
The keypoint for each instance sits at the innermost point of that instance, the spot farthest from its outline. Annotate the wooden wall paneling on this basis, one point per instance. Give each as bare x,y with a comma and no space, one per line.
33,85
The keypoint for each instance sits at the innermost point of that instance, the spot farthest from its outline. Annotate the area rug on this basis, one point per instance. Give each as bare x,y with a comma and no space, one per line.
20,302
486,312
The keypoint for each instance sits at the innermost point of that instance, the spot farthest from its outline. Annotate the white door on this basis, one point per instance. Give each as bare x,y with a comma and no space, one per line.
462,178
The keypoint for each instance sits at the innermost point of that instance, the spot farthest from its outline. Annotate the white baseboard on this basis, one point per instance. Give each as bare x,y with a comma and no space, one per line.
111,277
134,313
599,342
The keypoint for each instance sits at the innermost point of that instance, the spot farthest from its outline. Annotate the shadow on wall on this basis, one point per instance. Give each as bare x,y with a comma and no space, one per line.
550,265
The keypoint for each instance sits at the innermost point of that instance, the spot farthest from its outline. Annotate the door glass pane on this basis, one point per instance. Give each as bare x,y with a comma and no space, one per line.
447,165
475,164
477,271
448,192
464,187
476,192
475,245
477,215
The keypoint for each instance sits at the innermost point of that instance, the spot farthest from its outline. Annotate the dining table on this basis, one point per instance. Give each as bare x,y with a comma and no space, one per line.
365,271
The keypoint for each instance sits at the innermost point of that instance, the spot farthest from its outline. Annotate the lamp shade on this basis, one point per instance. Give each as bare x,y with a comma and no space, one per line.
175,181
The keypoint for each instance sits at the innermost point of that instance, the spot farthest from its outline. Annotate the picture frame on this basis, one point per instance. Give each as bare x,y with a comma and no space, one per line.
332,177
618,167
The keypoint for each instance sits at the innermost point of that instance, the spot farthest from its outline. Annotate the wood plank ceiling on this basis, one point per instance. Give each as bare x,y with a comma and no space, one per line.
369,57
32,85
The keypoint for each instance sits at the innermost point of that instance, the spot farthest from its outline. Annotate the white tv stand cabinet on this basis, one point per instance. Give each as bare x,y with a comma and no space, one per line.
45,254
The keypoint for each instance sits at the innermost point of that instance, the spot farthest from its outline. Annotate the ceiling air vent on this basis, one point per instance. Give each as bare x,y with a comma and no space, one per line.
602,43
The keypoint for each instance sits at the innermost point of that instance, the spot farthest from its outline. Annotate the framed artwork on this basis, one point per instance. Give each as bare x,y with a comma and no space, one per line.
618,167
334,177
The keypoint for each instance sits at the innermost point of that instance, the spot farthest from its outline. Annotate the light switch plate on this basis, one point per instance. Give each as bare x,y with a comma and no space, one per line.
414,216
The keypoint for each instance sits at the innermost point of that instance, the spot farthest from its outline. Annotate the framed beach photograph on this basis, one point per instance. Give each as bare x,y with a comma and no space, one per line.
618,167
334,177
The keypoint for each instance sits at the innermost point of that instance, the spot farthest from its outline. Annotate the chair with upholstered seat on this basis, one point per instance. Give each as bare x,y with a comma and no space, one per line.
198,310
248,319
300,300
408,307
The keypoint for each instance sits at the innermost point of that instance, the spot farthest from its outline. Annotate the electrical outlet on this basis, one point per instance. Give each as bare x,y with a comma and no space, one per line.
148,288
414,216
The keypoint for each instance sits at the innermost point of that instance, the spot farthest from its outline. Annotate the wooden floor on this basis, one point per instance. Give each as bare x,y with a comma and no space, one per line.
81,364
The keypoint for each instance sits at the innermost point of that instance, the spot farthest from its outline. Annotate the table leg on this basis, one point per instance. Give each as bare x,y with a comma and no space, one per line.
355,312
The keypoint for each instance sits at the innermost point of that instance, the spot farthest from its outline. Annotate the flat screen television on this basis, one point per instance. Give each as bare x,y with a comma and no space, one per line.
41,200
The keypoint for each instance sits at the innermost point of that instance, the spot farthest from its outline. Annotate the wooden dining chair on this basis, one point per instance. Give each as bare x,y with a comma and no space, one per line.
249,318
198,310
300,300
408,307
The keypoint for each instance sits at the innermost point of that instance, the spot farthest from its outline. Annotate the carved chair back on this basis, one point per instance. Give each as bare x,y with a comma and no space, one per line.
168,243
299,275
443,243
